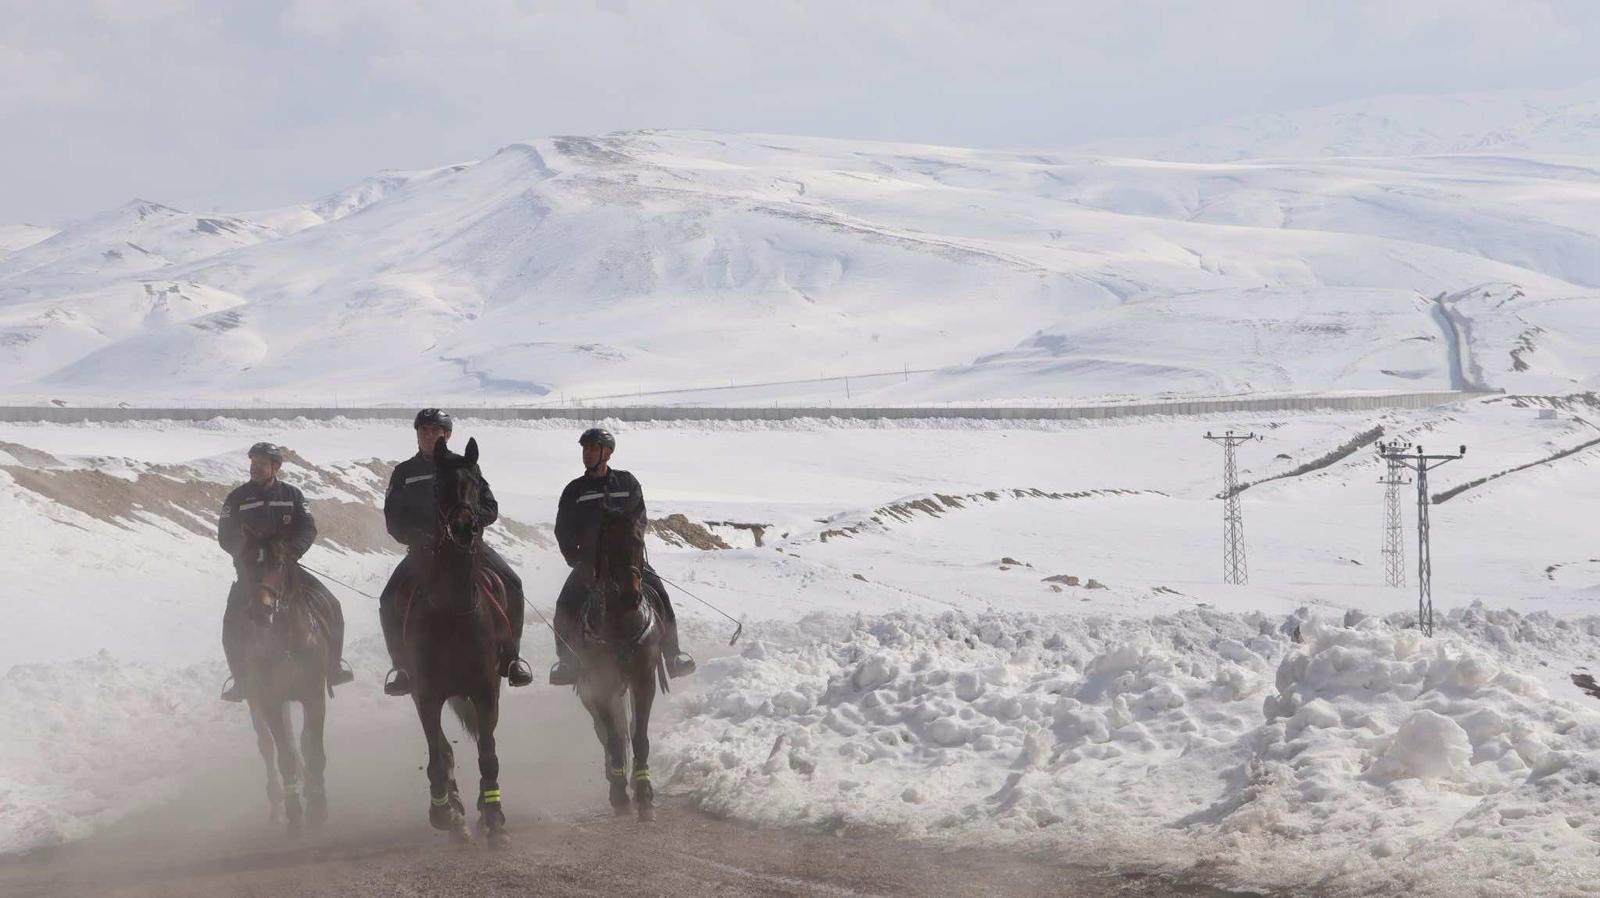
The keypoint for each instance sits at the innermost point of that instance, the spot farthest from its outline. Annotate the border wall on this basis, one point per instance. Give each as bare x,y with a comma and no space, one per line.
75,414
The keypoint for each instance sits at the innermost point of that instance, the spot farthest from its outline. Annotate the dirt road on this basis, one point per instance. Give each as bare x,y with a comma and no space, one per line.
211,838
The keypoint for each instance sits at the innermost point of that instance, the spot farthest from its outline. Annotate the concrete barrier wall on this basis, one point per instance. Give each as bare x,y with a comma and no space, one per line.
703,413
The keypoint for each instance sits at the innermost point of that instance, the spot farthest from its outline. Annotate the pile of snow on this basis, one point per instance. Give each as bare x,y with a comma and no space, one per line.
90,741
1266,751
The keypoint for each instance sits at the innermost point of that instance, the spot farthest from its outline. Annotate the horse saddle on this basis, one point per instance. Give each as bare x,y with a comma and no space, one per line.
648,620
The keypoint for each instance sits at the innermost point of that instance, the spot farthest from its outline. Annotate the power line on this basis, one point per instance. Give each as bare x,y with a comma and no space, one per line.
1234,568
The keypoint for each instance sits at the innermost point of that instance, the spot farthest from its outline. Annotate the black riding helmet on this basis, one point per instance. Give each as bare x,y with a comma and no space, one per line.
267,450
438,417
598,435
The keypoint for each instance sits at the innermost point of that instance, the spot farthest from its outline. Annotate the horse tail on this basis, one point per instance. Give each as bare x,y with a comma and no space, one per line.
467,713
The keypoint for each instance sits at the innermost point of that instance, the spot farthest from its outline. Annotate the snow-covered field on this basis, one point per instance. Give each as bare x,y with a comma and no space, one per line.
908,663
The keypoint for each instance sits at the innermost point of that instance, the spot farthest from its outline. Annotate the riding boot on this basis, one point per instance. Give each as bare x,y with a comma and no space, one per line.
232,621
339,673
399,679
234,692
518,673
398,683
679,662
565,670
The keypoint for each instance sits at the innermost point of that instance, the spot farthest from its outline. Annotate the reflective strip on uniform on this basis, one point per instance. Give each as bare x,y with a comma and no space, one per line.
249,505
587,496
419,477
281,504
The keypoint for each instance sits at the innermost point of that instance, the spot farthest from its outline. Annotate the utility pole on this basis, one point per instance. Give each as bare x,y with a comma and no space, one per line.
1422,464
1394,544
1234,569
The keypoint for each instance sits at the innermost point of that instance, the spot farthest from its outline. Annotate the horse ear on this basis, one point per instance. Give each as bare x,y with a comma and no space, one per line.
472,451
439,451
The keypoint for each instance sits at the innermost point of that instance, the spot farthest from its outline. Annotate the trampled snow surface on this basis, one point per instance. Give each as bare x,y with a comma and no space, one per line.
925,648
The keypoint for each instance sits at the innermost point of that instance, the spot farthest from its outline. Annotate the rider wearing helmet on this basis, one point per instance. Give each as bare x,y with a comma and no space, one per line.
578,529
261,515
411,512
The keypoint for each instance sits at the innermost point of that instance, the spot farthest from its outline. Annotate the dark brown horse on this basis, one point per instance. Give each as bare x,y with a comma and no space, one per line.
455,632
619,655
286,658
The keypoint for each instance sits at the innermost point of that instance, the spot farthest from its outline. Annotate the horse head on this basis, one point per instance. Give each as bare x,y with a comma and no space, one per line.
619,557
459,492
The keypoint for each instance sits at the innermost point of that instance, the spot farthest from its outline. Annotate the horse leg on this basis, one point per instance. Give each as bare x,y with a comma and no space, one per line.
617,750
491,818
603,710
288,764
644,696
269,756
316,759
442,813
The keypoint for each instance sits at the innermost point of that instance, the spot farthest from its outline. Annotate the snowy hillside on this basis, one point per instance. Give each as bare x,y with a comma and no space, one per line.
646,261
1554,122
15,237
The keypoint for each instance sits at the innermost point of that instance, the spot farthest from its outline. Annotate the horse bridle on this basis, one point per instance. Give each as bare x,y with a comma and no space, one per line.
447,533
605,586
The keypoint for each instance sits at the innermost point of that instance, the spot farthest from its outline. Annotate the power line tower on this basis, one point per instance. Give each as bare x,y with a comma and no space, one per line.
1394,544
1234,569
1422,464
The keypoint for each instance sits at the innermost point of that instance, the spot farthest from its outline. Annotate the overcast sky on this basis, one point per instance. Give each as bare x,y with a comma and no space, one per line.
238,104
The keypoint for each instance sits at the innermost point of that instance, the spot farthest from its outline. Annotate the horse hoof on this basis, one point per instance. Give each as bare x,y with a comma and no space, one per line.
459,834
442,816
499,838
647,813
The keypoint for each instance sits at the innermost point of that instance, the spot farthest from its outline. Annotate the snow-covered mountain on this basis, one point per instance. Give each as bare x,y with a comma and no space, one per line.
15,237
1551,122
647,261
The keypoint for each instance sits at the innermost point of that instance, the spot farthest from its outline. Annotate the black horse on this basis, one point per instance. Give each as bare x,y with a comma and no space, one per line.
619,655
285,653
455,632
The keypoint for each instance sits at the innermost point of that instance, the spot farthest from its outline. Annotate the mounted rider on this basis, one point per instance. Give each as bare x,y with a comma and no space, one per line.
263,519
411,512
577,532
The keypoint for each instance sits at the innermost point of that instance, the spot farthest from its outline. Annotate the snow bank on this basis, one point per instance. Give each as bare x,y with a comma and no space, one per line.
89,741
1260,751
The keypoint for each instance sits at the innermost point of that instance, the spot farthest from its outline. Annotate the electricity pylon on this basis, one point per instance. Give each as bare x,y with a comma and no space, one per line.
1422,464
1234,569
1394,544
